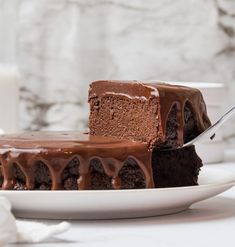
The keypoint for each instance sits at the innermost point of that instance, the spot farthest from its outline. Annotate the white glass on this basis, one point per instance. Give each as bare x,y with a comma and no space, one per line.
9,98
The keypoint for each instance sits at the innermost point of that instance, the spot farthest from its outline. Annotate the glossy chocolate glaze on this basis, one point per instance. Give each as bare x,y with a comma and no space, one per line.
57,149
167,95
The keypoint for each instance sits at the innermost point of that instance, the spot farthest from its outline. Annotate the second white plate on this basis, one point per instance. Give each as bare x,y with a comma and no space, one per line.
118,203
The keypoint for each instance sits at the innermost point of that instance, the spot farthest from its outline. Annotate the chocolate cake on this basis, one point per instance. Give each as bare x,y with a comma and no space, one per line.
128,123
159,114
73,161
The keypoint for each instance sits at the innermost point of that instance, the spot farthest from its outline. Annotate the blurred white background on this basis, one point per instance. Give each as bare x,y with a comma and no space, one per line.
60,46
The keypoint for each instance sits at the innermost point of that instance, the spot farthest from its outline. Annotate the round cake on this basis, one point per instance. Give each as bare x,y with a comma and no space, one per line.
75,161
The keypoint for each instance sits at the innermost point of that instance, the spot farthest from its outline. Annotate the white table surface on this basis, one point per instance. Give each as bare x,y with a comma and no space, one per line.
207,223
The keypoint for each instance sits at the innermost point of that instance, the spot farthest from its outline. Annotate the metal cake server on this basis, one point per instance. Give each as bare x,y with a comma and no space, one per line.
210,132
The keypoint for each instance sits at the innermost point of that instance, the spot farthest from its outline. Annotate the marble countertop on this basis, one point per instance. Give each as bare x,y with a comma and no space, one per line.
115,39
207,223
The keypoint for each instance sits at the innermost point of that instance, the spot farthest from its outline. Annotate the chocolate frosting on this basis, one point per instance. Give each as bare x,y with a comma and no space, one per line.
57,149
167,95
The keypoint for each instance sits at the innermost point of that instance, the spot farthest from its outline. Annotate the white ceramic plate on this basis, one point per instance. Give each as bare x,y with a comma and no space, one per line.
119,203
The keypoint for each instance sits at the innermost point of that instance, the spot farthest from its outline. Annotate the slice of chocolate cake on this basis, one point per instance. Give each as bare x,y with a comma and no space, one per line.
73,161
158,114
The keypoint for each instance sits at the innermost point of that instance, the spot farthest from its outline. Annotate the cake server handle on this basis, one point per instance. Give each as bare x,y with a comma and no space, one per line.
209,133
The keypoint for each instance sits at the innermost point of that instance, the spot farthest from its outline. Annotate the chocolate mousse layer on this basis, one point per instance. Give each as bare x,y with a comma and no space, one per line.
158,114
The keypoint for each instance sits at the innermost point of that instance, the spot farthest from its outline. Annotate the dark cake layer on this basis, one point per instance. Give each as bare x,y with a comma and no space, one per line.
158,114
173,168
71,161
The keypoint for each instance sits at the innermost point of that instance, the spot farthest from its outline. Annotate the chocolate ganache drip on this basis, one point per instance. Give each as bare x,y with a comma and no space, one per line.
179,96
56,150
